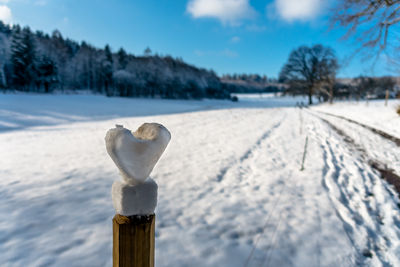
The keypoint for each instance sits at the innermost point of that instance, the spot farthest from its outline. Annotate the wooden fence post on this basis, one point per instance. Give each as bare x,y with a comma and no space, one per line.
133,241
304,154
386,97
135,197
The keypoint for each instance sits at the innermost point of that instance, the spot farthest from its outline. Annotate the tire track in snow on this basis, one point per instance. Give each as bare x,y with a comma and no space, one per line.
385,171
333,171
240,174
276,232
372,129
245,156
335,181
236,163
282,234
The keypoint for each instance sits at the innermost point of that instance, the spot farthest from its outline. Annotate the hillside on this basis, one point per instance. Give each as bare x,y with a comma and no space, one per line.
39,62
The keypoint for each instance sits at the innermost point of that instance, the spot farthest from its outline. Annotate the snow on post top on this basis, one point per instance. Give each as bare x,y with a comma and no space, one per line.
136,153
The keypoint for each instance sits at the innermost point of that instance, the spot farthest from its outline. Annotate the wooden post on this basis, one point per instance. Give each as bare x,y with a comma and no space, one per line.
386,97
133,241
304,154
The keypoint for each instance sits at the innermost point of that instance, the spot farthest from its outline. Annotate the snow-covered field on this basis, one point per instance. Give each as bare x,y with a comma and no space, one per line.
372,113
231,192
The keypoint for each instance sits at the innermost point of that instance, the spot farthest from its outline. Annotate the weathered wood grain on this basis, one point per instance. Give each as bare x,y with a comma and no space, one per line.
133,241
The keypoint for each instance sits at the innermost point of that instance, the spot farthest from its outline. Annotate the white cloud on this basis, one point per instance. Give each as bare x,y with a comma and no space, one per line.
291,10
5,14
227,11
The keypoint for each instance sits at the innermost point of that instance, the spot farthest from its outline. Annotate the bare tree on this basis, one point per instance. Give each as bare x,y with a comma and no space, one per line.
369,21
311,69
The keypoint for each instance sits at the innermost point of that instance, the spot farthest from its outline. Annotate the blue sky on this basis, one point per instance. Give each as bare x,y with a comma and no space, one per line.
228,36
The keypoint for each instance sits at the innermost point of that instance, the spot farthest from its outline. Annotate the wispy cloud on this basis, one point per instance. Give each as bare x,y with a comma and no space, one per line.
229,12
235,39
5,14
291,10
229,53
256,28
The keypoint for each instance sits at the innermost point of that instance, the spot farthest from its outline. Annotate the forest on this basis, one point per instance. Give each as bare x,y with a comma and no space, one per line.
43,63
39,62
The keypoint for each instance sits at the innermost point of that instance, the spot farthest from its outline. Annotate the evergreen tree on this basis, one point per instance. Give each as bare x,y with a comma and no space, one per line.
107,70
147,52
23,59
3,58
47,72
107,52
122,58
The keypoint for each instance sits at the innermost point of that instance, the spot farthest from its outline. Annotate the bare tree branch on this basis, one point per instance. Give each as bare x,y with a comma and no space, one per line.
370,22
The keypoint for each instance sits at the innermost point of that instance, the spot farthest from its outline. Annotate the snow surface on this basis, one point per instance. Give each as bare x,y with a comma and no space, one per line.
231,192
372,113
19,111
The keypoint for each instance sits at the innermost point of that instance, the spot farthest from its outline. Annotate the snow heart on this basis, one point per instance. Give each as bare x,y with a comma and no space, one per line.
136,154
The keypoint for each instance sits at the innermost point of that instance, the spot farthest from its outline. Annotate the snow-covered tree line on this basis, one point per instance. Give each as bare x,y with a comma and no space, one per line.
251,83
247,77
39,62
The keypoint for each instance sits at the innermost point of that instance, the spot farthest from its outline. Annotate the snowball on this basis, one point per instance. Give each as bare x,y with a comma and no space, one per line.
136,154
138,199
